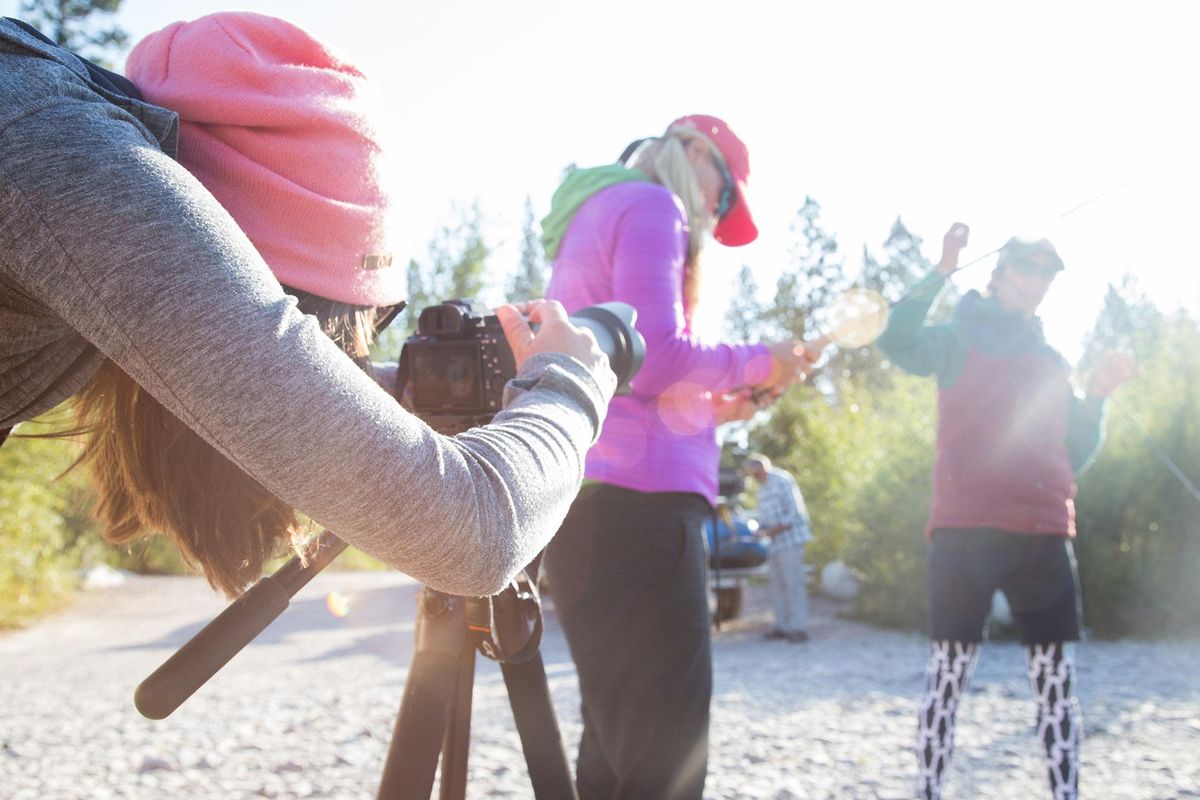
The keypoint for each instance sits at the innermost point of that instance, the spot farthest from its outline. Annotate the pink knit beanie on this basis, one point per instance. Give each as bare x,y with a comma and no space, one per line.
284,133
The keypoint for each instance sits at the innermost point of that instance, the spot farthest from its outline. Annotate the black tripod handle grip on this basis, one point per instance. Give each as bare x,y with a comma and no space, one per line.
190,666
220,640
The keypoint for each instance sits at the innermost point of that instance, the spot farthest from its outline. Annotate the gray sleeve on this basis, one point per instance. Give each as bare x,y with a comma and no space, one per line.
133,253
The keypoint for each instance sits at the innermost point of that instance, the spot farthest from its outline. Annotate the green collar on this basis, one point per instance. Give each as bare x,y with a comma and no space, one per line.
577,189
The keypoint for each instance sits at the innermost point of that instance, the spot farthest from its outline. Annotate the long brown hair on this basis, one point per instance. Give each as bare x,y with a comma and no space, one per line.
153,474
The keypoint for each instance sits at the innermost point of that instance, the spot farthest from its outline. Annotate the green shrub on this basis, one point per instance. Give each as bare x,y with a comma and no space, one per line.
1139,527
887,551
43,535
47,535
863,464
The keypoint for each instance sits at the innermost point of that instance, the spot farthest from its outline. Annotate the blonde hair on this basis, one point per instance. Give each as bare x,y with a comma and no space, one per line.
665,161
153,474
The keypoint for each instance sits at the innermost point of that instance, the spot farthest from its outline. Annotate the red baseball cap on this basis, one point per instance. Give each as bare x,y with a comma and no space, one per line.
737,227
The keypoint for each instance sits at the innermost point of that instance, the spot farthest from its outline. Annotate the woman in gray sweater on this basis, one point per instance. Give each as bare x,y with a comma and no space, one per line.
111,253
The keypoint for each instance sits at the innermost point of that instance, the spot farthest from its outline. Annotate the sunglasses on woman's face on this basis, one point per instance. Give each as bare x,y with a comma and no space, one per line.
1044,271
728,189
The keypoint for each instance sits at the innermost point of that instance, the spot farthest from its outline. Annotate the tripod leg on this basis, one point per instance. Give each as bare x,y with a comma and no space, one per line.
533,711
442,644
457,743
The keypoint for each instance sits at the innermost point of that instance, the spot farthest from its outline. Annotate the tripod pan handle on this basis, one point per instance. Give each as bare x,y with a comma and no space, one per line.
210,649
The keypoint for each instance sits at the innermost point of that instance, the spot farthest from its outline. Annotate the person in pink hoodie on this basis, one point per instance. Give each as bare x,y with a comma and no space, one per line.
627,566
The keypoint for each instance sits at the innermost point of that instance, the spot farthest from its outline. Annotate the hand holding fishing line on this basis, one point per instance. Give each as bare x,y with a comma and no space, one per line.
791,361
855,319
1110,373
740,405
952,244
1114,368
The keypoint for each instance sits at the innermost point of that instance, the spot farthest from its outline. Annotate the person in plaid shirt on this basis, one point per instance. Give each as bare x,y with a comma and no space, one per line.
783,519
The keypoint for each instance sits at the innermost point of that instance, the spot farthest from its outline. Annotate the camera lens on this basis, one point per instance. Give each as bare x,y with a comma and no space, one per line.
613,326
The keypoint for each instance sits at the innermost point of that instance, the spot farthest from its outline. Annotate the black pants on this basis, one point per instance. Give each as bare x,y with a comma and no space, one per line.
627,579
1036,573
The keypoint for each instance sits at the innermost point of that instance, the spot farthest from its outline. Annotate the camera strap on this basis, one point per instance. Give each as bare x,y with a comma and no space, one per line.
514,622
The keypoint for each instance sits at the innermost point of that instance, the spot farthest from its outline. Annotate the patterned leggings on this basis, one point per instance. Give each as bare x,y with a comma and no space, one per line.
1051,674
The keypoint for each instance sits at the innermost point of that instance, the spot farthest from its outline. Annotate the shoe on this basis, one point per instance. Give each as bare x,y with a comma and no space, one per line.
776,634
798,637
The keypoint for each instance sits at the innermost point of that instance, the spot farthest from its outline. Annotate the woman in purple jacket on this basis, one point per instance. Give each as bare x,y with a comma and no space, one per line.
627,566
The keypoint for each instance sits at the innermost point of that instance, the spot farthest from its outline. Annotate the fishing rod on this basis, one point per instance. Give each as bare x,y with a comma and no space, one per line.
1053,220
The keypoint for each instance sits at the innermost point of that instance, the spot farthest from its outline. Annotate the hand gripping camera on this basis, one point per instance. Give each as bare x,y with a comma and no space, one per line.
458,361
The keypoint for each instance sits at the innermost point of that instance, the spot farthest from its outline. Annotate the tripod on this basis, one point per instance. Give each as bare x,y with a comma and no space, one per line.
435,711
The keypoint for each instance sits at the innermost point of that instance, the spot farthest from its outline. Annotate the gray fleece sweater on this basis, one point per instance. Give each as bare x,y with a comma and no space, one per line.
109,249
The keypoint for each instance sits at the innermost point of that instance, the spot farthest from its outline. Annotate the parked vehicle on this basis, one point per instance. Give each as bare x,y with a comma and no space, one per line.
735,554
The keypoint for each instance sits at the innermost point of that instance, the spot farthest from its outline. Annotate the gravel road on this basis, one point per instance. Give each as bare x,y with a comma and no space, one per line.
307,710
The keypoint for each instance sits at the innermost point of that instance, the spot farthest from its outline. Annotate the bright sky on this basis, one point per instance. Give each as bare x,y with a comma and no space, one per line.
999,115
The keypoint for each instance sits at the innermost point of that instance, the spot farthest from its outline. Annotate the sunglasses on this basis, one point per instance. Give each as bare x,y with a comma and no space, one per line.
1044,271
728,189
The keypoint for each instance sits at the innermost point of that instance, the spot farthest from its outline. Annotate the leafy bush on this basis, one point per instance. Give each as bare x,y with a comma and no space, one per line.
892,505
44,534
47,535
863,463
1139,527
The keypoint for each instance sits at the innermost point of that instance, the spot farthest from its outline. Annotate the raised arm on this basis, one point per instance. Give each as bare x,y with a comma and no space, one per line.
911,344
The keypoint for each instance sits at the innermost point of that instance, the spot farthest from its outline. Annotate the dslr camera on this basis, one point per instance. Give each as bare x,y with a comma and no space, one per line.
456,365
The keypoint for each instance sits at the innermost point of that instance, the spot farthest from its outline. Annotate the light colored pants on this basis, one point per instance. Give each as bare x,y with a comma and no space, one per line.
789,595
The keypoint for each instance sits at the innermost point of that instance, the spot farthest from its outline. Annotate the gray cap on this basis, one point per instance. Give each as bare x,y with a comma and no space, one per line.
1034,252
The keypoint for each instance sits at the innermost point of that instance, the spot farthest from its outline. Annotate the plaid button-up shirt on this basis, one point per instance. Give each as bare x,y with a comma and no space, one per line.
780,503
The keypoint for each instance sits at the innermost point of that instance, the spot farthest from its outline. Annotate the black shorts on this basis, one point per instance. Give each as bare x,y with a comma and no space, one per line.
1036,573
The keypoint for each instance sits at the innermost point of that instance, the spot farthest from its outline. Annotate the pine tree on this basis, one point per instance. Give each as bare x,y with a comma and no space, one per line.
529,282
744,318
811,280
905,265
73,24
458,258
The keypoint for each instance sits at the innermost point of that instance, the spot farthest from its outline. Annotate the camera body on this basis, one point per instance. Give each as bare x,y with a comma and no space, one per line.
454,368
458,362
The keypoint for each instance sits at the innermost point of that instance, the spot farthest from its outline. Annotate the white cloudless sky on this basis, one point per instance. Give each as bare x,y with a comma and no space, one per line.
1002,115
